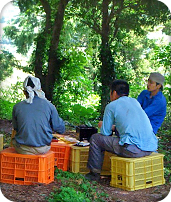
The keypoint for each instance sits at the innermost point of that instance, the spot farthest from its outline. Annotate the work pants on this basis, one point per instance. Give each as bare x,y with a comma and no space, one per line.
100,143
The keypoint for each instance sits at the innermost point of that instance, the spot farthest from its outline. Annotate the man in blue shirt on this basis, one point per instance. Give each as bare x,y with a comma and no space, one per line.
34,120
136,137
153,101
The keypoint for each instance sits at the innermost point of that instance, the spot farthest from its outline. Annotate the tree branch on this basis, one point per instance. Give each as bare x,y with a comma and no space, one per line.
47,9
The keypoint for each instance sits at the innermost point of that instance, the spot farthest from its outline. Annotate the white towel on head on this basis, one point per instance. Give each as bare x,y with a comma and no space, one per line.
37,89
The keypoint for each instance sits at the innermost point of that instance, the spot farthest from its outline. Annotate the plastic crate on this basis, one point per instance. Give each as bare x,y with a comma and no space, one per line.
26,169
61,154
79,158
137,173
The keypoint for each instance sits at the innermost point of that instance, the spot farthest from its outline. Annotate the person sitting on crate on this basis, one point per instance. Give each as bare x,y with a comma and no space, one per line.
34,119
136,136
153,101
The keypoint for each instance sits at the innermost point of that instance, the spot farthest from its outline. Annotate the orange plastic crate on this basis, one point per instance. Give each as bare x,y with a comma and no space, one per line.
62,152
26,169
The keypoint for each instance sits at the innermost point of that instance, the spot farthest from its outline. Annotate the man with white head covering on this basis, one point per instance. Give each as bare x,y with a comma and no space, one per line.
153,101
32,86
34,120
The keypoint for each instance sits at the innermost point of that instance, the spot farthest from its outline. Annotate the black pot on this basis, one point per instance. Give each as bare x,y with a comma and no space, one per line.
85,132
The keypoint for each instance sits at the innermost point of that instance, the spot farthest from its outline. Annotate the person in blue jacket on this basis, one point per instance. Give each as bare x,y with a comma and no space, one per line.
136,136
34,120
153,101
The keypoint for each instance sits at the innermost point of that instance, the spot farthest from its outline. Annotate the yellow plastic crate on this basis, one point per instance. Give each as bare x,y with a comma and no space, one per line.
137,173
79,158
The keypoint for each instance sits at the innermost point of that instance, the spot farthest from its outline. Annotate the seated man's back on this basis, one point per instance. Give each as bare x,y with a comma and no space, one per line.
35,118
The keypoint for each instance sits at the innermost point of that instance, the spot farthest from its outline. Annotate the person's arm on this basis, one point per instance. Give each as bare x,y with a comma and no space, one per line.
108,122
152,109
57,123
14,121
100,125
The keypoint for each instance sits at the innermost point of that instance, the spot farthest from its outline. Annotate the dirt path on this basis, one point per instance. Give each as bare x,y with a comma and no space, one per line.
5,126
39,192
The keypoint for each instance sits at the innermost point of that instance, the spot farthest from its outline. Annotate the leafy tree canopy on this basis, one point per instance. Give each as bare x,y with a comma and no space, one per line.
7,62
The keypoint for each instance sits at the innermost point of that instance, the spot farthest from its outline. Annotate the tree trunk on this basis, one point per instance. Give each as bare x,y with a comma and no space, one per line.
53,31
107,74
107,69
39,55
54,63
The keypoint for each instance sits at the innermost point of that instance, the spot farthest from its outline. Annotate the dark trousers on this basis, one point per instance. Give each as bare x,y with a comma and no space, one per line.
100,143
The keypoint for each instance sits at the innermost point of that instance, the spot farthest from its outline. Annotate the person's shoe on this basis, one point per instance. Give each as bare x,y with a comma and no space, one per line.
91,176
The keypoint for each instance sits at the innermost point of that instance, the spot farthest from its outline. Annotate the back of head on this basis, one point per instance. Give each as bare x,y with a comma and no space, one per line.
30,82
121,87
32,86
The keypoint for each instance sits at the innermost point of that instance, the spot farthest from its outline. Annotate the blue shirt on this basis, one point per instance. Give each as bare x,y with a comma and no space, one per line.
131,122
35,122
154,107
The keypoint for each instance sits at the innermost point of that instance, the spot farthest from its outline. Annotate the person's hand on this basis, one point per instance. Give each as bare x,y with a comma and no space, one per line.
113,127
100,124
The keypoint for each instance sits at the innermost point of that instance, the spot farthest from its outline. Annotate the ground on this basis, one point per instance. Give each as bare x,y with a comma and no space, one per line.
39,192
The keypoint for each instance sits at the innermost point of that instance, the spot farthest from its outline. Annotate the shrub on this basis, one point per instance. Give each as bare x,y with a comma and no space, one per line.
6,109
75,188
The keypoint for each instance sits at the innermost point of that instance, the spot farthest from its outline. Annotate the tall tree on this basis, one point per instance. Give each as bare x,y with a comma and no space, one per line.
45,60
53,61
109,18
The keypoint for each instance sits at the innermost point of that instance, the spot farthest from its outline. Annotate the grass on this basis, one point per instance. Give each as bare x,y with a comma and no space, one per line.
75,188
6,109
164,135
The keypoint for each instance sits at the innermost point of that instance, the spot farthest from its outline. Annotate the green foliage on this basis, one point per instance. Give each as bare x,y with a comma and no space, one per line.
7,62
82,115
75,188
78,114
21,29
68,194
14,93
112,20
167,28
136,89
6,109
8,98
76,102
74,95
164,135
133,56
83,36
163,57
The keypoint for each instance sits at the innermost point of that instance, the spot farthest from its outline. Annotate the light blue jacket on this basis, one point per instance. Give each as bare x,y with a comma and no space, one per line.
131,122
